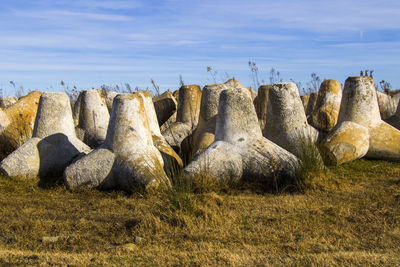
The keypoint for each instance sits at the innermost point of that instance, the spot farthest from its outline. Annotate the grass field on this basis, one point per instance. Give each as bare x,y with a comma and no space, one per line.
350,216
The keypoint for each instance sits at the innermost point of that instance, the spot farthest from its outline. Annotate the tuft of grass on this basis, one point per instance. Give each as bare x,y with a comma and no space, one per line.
180,194
351,217
311,165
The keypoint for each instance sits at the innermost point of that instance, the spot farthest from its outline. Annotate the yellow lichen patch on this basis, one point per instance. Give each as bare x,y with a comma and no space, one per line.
166,94
332,86
327,117
384,142
189,103
348,142
326,111
204,141
260,104
166,149
21,116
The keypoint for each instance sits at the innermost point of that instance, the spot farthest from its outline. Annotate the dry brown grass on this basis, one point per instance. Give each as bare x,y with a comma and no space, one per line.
351,216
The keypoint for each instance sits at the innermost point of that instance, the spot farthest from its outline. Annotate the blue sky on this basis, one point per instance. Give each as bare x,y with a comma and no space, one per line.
90,43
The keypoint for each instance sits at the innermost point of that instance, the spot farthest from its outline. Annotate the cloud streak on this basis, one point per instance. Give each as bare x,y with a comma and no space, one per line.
137,40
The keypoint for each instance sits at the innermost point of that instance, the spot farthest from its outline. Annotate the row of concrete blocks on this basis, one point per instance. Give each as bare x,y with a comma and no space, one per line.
229,143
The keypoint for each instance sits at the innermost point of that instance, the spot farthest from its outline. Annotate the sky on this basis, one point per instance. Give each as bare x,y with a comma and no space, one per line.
88,43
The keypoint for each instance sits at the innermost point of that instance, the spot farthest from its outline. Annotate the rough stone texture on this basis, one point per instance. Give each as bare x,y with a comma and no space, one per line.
360,106
176,95
205,132
261,104
165,106
359,102
168,123
96,168
286,121
347,142
23,162
384,142
253,93
304,100
187,116
387,105
7,101
171,119
239,150
326,110
53,146
109,98
128,158
312,101
54,116
17,121
171,160
91,117
395,100
395,119
4,121
233,83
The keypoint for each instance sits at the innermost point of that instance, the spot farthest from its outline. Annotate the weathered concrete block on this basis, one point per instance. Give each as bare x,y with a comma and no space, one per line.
359,102
304,100
312,101
187,116
205,132
17,121
360,107
261,104
91,117
395,119
387,105
53,146
286,121
165,106
7,101
171,160
347,142
132,161
239,150
326,110
109,99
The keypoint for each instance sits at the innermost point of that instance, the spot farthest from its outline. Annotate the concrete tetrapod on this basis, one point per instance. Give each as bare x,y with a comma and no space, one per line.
53,145
235,84
326,110
127,159
286,121
304,100
387,105
239,150
395,119
172,118
312,101
91,117
360,107
261,104
205,132
7,101
187,116
109,98
17,122
171,160
165,106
